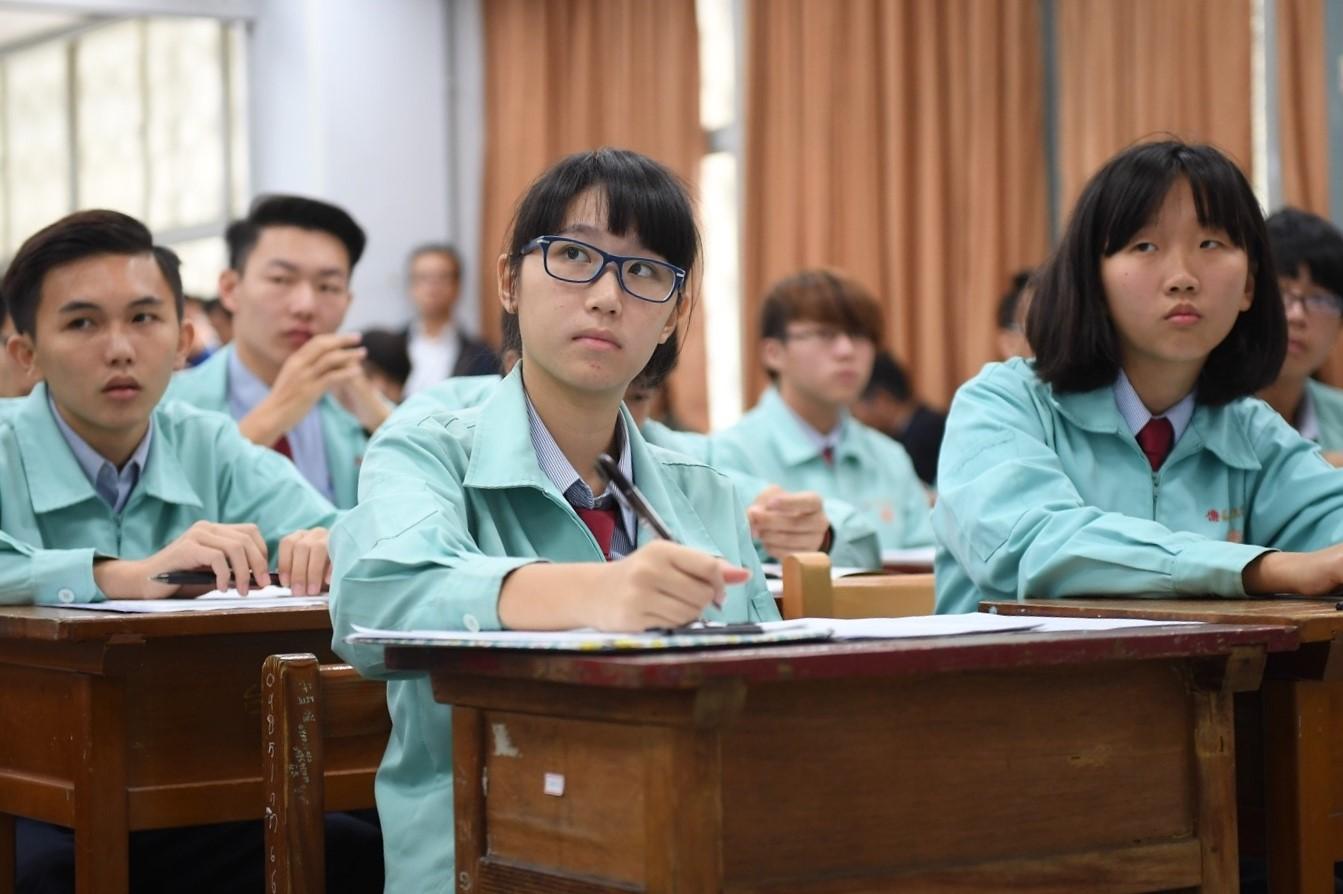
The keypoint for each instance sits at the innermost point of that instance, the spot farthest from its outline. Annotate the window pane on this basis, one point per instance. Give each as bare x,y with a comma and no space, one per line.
111,119
241,172
38,173
718,63
186,99
202,260
718,189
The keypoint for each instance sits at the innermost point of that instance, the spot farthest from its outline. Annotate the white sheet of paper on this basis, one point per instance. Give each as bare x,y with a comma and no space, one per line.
213,602
924,625
774,575
1066,625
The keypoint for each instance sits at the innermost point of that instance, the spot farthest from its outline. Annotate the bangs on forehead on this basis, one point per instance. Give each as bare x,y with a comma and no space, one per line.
639,198
1223,199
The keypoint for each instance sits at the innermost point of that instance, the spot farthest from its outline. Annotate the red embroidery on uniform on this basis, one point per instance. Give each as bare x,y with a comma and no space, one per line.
1214,515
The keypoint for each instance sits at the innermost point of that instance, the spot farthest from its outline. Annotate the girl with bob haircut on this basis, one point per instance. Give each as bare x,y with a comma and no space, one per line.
1130,457
495,517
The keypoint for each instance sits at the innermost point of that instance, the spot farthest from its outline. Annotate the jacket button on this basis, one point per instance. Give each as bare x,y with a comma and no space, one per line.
470,623
65,594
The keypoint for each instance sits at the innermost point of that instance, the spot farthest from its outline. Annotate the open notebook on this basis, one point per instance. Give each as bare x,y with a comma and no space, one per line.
218,600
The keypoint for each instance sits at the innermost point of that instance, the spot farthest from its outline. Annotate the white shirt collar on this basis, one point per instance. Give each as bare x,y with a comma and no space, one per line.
1136,415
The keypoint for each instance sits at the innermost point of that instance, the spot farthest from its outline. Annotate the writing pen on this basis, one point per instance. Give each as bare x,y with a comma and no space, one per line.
628,495
206,578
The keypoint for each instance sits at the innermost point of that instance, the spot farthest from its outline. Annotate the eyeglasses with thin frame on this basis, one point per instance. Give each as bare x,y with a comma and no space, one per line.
1316,304
570,260
826,336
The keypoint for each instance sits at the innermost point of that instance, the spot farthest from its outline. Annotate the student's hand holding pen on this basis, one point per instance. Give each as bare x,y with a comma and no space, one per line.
662,584
787,523
231,552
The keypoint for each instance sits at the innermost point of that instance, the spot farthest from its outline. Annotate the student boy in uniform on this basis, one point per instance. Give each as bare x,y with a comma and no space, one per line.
819,332
103,486
293,382
1309,253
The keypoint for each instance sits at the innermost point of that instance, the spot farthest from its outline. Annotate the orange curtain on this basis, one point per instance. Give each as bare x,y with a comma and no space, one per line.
903,143
562,76
1303,119
1137,68
1303,123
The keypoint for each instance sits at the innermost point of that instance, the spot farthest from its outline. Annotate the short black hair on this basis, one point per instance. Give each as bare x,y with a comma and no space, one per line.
888,376
641,197
1068,324
1304,240
435,248
387,352
83,234
292,211
1011,299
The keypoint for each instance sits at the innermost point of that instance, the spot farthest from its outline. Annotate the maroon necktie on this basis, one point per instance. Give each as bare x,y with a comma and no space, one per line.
1156,439
602,524
282,447
828,454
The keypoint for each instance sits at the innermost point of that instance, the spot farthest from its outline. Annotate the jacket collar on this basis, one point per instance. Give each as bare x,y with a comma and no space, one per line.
55,479
502,456
796,444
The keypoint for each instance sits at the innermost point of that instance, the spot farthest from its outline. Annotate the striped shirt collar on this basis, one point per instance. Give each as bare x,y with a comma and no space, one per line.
1136,415
567,481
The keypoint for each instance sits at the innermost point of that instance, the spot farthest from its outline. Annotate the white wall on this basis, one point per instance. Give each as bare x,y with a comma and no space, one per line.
358,102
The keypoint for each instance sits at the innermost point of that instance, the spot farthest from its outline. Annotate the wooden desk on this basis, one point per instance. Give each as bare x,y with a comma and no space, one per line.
1060,763
110,723
1290,734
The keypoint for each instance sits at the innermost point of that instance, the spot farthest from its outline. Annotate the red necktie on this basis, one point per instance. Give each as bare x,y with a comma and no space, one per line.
828,454
602,524
1156,439
282,447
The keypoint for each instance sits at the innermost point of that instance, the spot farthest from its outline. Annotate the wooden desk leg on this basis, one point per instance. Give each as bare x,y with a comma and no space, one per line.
1214,749
102,837
7,854
1296,786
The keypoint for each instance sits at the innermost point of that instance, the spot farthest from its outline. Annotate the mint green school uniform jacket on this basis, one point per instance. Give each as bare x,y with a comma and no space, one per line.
1328,404
854,543
1049,495
448,507
206,387
871,472
453,393
199,468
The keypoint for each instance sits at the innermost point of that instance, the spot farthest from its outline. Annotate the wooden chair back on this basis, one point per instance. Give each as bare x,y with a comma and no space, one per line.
323,732
808,592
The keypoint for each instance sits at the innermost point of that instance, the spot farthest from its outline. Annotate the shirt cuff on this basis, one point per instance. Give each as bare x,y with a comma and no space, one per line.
64,576
1214,567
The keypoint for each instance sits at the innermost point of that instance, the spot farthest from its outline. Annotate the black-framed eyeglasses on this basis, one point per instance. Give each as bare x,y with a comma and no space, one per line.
1316,304
570,260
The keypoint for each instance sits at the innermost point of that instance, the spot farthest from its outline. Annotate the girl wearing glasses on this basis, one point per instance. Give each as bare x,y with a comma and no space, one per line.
495,517
1129,457
1308,252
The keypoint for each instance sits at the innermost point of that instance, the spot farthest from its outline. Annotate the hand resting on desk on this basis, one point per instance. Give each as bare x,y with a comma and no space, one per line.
233,552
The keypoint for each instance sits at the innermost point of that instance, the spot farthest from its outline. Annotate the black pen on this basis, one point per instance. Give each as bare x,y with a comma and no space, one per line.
206,578
628,496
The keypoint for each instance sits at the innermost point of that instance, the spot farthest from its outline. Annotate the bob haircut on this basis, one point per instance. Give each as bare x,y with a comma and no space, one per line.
84,234
1306,243
821,296
641,196
1068,323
